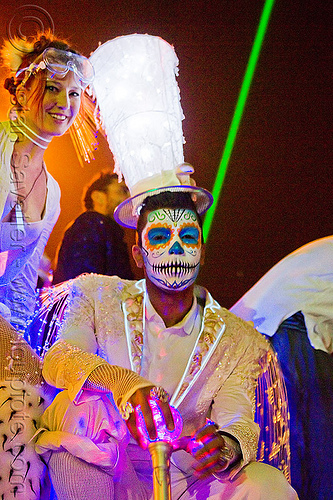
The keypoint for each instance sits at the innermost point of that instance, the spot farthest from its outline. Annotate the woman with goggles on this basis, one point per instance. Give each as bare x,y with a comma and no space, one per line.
58,62
47,95
47,92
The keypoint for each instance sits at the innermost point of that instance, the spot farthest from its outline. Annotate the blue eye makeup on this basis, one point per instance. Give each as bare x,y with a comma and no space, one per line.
159,235
190,235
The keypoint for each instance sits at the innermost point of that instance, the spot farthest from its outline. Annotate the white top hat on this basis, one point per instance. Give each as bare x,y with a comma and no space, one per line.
139,102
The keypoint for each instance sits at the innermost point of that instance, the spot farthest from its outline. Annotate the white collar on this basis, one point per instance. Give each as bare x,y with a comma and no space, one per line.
186,324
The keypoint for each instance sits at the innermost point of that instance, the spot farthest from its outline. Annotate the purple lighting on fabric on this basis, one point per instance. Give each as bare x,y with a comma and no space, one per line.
163,433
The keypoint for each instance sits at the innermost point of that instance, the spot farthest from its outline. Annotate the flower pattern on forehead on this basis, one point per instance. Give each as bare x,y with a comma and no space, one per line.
175,214
159,215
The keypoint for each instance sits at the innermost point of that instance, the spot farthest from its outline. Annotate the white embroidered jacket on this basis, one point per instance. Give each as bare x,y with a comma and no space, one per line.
105,319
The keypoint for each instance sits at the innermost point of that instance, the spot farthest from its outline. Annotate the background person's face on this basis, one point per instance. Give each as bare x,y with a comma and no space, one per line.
117,192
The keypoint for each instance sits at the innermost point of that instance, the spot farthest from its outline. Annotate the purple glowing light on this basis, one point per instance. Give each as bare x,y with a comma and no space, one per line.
162,432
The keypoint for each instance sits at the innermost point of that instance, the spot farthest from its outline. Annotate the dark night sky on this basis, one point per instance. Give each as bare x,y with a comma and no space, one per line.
277,194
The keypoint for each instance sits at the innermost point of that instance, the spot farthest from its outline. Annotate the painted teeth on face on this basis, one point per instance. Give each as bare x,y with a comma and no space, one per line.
173,269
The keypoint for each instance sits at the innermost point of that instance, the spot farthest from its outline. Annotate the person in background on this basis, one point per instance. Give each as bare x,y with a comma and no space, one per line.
94,242
293,305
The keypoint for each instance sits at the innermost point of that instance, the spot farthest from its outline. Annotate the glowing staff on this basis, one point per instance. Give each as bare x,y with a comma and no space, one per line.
251,65
160,448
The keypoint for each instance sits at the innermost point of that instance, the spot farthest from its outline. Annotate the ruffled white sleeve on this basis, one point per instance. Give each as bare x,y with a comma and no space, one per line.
71,360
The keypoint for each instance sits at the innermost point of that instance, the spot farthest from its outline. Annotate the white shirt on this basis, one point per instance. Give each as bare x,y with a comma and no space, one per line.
166,350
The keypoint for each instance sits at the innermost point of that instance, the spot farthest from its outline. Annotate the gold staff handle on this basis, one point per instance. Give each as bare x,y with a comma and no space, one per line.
160,452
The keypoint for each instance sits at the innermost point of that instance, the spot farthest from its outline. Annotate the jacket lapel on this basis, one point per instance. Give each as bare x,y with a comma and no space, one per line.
212,328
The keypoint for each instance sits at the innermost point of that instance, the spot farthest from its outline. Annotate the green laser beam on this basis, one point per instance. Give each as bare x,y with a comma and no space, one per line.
237,116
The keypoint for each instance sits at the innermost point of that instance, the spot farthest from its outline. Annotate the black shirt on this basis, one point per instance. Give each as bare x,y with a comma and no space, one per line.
94,243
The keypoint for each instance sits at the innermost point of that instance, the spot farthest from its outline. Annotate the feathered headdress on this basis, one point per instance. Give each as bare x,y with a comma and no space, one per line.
13,52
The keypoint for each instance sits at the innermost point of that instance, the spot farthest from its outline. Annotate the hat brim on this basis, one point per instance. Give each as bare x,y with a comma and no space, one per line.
127,213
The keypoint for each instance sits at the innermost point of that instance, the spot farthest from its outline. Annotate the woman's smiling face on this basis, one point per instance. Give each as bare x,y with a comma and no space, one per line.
55,113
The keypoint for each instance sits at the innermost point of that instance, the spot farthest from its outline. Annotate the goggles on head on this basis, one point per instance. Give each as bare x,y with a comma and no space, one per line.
59,62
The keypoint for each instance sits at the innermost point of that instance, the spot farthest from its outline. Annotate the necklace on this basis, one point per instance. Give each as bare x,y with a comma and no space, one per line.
21,199
31,139
30,130
17,213
25,133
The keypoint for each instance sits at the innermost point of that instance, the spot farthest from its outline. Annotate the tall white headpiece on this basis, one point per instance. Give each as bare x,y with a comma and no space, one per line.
139,102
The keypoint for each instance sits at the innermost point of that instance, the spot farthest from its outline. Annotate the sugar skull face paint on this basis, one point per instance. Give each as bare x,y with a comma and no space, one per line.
171,248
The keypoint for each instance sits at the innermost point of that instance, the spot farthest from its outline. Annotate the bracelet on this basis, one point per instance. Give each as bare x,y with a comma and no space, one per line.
226,455
159,394
125,410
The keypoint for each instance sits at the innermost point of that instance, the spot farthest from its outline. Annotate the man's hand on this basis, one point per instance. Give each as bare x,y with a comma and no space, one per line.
141,397
209,454
208,447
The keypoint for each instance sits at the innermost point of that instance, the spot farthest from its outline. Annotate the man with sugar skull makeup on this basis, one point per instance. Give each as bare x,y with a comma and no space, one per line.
138,340
171,248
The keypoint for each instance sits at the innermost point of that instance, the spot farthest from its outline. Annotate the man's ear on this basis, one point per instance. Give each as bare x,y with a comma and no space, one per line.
203,254
99,200
137,256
